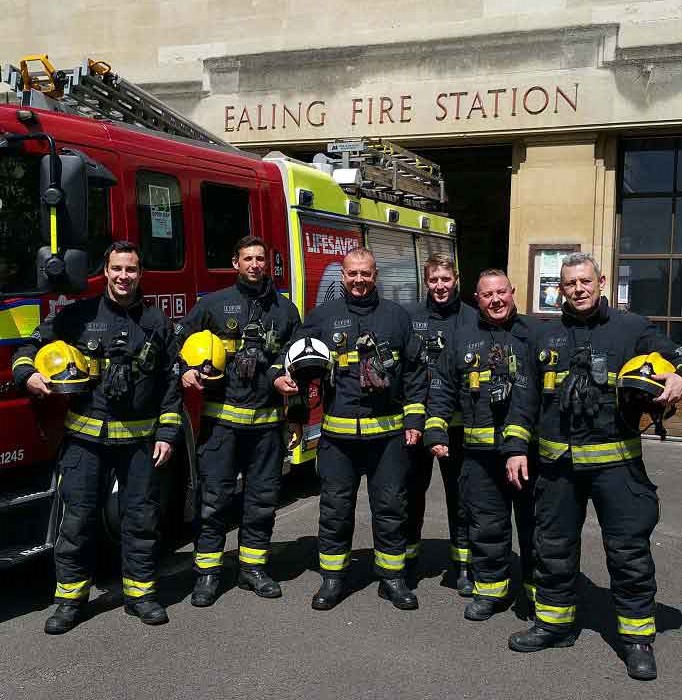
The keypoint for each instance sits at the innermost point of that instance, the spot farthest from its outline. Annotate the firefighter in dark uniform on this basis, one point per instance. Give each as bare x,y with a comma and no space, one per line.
485,365
440,314
242,421
127,422
373,414
588,451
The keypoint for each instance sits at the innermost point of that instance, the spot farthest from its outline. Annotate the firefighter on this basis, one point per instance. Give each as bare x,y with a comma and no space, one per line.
441,313
373,414
242,421
488,362
588,451
124,418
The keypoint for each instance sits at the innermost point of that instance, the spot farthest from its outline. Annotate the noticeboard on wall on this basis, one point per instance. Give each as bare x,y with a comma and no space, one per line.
544,276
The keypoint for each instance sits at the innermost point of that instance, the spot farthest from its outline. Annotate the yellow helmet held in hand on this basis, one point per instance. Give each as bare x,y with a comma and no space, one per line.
637,390
205,353
64,366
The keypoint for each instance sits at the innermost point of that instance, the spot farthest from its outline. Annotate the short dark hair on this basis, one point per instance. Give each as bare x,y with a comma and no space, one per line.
492,272
247,242
121,247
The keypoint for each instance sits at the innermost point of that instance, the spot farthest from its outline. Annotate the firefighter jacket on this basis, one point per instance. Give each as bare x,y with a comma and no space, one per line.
244,399
433,323
481,370
137,337
351,411
613,337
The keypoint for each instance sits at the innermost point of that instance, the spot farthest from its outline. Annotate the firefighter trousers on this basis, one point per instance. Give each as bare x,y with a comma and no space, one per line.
488,502
341,463
84,478
626,504
224,452
419,479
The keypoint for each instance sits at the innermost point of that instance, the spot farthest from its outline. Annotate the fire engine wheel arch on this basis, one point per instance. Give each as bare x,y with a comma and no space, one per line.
179,492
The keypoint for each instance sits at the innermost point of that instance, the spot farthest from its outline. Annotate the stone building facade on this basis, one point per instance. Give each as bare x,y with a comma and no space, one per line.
558,123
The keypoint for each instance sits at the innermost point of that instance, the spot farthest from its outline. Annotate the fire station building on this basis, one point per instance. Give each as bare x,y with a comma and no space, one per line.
558,124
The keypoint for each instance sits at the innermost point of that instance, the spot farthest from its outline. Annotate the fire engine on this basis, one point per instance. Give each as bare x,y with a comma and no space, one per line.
87,157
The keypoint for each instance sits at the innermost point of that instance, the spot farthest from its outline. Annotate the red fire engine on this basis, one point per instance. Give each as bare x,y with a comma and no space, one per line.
71,183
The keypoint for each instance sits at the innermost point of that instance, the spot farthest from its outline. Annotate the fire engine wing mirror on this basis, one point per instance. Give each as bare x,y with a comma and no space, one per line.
67,272
98,175
63,263
64,197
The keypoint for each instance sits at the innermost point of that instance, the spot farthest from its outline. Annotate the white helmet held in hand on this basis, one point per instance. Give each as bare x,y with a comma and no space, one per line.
308,359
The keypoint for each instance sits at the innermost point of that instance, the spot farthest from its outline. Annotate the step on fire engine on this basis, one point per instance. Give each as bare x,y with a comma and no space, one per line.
87,157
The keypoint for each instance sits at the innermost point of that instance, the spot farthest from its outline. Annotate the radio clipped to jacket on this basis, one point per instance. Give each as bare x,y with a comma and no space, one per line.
375,360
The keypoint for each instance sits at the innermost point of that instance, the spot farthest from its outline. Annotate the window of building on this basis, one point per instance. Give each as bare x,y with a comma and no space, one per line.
159,213
226,220
649,260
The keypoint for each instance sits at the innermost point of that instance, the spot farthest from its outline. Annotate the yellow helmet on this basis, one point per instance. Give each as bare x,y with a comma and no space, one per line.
205,353
64,366
637,390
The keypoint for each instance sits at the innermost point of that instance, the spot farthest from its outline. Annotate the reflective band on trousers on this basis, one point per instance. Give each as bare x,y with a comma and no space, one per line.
517,431
607,452
496,589
208,560
479,436
530,591
436,424
555,614
255,557
73,591
414,409
242,416
362,426
393,562
170,419
136,589
460,554
637,626
334,562
412,551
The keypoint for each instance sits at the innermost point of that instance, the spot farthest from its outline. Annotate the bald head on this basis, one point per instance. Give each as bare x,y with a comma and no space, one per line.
359,272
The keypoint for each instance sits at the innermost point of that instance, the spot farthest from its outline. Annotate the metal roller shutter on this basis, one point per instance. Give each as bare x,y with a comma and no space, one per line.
397,264
430,245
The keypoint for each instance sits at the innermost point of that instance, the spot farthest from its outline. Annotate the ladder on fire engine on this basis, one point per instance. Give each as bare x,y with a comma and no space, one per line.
94,90
381,169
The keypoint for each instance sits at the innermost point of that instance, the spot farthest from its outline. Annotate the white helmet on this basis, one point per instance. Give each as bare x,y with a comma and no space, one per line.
308,359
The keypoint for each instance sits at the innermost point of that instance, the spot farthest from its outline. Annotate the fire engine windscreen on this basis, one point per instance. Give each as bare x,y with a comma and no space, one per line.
20,221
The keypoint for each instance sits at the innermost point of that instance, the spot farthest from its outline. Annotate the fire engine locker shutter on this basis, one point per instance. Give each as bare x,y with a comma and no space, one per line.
397,264
430,245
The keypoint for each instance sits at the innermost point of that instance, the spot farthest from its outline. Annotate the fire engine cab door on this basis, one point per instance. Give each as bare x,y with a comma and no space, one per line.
397,263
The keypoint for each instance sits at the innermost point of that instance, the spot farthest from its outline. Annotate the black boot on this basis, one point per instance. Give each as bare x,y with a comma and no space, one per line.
538,638
254,578
330,594
396,590
65,617
480,609
149,610
205,591
640,661
465,581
